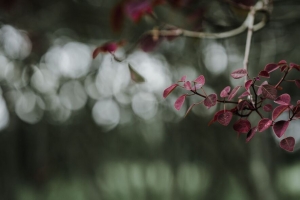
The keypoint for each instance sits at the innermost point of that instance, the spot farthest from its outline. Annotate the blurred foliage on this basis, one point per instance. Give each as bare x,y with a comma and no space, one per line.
77,128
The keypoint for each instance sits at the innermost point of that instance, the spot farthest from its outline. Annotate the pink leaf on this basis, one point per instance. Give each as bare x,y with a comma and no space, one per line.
246,93
187,85
224,117
269,92
251,134
264,124
210,100
239,73
183,78
283,99
200,81
248,84
271,67
278,110
280,127
242,126
297,82
179,102
169,90
264,74
233,92
225,92
268,107
259,90
287,144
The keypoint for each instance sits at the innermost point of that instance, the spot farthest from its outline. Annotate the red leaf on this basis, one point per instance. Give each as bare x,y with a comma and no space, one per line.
187,85
215,117
179,102
148,44
283,99
264,124
224,117
233,92
297,82
210,100
251,134
282,62
278,110
242,126
269,91
271,67
225,92
280,127
246,93
264,74
259,90
136,9
268,107
287,144
248,84
200,80
295,66
239,73
169,90
243,104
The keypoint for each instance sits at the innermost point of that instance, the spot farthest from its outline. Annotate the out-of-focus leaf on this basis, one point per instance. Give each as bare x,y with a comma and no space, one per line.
224,117
269,92
200,81
117,17
251,134
287,144
268,107
264,74
233,92
136,9
283,99
135,76
168,90
187,85
248,84
242,126
264,124
278,110
148,43
225,92
246,93
239,73
210,100
271,67
280,127
179,102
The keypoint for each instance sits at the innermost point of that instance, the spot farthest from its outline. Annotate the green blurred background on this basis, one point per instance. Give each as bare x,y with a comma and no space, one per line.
73,128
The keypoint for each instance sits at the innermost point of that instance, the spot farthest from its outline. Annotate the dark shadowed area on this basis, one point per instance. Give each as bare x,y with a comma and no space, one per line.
78,128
